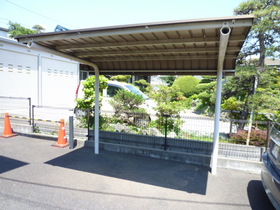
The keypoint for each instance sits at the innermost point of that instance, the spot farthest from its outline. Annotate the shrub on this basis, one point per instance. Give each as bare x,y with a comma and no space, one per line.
187,84
257,137
205,98
88,101
188,103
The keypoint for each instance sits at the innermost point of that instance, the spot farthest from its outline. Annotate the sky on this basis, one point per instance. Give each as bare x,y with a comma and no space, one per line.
80,14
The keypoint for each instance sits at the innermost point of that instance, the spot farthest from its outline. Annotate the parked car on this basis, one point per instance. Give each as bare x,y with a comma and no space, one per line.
111,91
270,174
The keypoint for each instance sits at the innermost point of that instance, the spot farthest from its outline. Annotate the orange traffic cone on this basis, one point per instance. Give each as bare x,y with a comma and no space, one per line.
8,131
62,140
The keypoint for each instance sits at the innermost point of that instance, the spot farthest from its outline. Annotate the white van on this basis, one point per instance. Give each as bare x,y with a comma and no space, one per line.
111,91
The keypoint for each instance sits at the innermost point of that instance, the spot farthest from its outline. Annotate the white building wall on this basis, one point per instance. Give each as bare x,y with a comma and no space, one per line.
18,72
59,82
47,79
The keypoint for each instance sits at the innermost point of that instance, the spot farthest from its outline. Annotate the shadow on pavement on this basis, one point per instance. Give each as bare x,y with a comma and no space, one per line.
257,196
8,164
162,173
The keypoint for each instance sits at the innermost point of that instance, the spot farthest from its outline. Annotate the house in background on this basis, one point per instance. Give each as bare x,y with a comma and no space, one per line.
47,79
273,63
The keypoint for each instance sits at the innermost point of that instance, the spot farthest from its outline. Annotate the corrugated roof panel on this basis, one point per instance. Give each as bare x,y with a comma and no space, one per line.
190,45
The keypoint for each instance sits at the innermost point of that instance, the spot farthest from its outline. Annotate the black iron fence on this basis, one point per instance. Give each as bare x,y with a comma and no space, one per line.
166,131
186,127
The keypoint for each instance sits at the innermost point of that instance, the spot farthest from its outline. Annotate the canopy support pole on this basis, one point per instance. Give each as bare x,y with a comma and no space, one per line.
224,37
96,111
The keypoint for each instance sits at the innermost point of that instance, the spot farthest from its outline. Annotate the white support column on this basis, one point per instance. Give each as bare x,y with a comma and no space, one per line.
224,37
96,112
217,122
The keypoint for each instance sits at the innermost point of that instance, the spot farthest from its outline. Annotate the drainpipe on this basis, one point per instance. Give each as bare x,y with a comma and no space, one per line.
224,37
39,82
33,45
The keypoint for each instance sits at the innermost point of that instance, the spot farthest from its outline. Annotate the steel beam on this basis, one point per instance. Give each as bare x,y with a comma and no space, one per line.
157,58
145,52
146,43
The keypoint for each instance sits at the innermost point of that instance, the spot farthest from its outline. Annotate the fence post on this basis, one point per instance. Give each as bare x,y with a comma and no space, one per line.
261,156
267,135
230,126
165,139
32,112
71,131
88,131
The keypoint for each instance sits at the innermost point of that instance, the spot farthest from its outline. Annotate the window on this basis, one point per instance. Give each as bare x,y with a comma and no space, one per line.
112,90
84,75
136,91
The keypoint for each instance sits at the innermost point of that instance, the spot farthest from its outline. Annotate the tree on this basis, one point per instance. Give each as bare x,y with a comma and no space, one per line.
169,103
205,95
263,38
121,78
127,106
169,79
15,29
38,28
241,87
143,85
267,97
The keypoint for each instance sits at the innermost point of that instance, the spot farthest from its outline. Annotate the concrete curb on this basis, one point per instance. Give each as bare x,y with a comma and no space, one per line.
242,165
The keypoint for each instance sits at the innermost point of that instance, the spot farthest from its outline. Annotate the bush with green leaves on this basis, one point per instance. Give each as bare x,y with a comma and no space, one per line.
187,84
88,100
232,104
168,115
87,103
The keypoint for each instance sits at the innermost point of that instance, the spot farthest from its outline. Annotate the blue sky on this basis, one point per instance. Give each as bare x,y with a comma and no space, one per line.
97,13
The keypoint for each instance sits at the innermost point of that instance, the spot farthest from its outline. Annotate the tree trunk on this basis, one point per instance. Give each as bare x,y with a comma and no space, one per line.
252,111
257,78
243,115
262,52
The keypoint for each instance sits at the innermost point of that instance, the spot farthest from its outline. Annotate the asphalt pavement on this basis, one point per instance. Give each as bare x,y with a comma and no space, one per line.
35,175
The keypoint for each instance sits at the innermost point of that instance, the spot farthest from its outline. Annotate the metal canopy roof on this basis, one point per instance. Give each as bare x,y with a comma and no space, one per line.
188,47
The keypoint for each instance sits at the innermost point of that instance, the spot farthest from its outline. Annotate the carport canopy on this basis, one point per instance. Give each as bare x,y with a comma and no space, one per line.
187,47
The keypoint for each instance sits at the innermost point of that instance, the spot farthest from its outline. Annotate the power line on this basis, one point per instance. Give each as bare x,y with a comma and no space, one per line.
15,22
53,20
